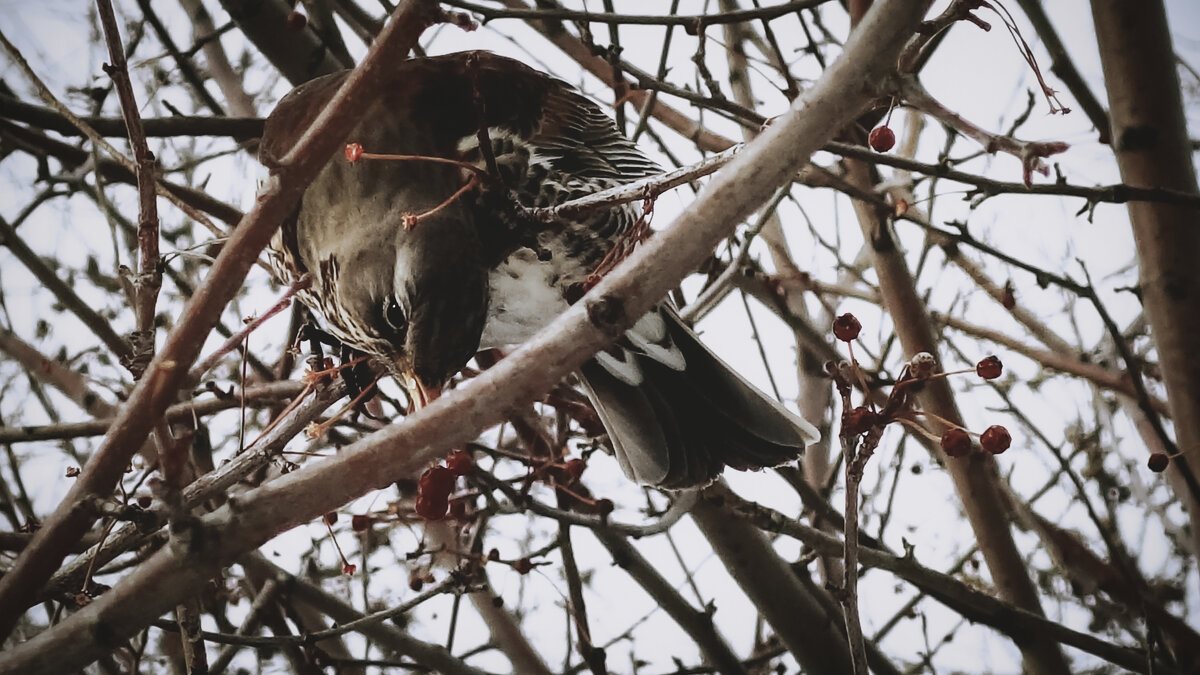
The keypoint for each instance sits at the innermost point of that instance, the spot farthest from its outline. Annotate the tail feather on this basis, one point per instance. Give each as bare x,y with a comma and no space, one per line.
680,428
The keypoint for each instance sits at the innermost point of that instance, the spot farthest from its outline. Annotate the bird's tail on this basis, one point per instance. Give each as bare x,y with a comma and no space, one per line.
679,427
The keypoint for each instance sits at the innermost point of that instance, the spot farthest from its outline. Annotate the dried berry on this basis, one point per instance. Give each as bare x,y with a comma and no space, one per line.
1158,462
360,522
331,518
956,442
922,365
296,21
354,152
574,469
881,139
989,368
1008,299
846,327
858,421
522,566
995,439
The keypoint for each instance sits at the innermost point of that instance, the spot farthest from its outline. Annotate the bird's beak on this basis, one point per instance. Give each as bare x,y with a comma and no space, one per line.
422,394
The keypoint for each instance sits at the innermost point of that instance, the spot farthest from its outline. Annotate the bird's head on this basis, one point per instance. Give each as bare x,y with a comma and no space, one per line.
435,311
397,262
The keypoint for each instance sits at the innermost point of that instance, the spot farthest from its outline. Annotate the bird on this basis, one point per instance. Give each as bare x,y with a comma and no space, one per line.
423,263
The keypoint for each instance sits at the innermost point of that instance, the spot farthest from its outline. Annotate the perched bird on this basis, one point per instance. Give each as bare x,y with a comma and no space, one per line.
413,269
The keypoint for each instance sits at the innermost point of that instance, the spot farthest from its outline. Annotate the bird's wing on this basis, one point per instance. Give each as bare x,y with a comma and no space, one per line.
678,427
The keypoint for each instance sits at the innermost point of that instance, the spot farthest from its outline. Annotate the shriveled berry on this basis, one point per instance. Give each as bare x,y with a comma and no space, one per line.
522,566
846,327
1008,299
493,555
922,365
989,368
574,469
458,509
354,152
881,139
858,421
956,442
460,462
331,518
360,522
1158,462
145,501
349,568
995,439
296,21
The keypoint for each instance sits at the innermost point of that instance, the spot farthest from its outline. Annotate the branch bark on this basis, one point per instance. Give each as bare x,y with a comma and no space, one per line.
1149,134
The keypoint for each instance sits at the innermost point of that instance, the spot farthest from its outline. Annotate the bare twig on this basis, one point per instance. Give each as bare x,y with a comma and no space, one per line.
147,279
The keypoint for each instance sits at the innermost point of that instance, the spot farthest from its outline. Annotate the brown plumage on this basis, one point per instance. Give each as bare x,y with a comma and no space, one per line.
471,275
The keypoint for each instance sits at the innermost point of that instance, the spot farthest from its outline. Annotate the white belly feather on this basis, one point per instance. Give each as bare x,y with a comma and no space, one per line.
524,299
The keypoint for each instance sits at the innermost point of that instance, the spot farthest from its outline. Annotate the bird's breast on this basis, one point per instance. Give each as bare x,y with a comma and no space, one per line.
526,295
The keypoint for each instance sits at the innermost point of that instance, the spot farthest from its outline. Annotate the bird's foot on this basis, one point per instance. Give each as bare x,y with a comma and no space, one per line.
625,245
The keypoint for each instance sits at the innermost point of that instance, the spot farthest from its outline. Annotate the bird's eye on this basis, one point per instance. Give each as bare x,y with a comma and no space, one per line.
394,315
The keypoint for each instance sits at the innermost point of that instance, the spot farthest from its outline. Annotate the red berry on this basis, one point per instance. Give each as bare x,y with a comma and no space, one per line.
437,481
354,152
956,442
433,492
145,501
1158,462
881,139
858,421
846,327
360,522
995,439
432,508
460,463
989,368
349,568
